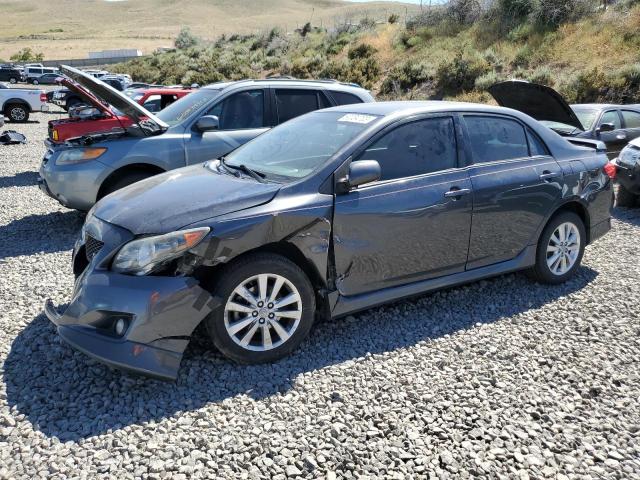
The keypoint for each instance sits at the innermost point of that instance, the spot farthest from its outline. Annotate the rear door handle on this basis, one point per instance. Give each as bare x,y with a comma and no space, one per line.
457,192
547,175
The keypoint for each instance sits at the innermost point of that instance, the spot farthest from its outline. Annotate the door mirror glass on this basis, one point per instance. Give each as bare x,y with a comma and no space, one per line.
207,123
606,127
362,172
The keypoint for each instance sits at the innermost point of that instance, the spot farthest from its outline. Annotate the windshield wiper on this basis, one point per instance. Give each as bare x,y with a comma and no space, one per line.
258,176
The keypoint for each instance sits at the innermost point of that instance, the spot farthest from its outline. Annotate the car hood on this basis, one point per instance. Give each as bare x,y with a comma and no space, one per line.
537,101
174,199
86,95
113,97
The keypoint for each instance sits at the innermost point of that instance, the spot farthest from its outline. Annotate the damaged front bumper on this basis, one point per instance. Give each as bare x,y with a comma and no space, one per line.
159,314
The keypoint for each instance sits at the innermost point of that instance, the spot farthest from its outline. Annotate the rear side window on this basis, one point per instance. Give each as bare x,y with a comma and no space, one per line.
631,119
343,98
291,103
496,138
241,110
415,148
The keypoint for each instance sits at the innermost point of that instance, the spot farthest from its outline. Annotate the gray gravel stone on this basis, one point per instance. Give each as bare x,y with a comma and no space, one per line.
503,378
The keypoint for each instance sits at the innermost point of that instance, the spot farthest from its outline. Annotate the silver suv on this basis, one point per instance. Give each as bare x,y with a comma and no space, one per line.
204,125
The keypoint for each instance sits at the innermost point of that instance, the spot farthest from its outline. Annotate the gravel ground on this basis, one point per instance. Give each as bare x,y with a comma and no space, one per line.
502,378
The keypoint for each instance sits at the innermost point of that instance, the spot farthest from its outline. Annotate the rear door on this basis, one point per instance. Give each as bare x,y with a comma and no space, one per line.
631,123
515,184
616,139
243,115
414,222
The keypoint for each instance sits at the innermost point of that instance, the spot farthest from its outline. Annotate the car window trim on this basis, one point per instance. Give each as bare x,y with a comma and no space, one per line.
604,112
392,126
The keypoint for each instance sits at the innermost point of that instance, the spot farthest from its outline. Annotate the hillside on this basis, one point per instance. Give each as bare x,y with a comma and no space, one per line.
72,28
450,52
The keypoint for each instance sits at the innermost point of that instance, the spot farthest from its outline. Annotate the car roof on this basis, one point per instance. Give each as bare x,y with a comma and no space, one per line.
167,90
414,107
292,82
596,105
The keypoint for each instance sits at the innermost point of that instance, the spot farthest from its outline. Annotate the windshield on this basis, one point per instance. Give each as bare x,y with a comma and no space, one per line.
586,116
183,108
297,147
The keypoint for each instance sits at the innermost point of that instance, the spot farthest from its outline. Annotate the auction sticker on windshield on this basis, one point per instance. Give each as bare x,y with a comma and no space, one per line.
357,118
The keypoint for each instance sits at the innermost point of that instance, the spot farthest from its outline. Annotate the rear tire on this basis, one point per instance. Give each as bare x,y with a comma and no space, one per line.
13,80
17,113
36,82
560,249
124,181
251,327
625,198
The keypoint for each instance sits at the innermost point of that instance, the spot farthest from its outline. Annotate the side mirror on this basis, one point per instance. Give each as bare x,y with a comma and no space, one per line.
360,173
207,123
606,127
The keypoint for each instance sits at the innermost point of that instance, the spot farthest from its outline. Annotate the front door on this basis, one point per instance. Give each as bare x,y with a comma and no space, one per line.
414,222
615,139
242,116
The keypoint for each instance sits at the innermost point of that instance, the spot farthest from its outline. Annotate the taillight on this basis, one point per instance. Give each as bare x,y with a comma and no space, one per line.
55,134
43,97
610,169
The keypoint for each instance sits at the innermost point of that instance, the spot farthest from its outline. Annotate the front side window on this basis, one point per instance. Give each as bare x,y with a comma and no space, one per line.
182,109
152,103
611,117
296,148
631,119
496,138
291,103
415,148
241,110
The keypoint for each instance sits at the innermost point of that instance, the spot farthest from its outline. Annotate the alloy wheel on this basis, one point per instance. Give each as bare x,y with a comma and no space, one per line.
563,248
18,114
263,312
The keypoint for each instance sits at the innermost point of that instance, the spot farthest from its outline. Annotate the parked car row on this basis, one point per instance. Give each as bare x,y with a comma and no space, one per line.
284,200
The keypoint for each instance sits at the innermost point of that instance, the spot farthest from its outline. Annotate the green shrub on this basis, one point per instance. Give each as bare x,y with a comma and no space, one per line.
405,77
522,57
361,51
552,13
542,75
483,82
459,74
393,18
185,39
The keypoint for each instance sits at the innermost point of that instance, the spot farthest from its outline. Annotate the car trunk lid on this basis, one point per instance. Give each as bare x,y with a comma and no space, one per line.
538,101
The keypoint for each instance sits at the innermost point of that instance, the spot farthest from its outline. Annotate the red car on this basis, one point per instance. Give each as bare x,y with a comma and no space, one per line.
97,115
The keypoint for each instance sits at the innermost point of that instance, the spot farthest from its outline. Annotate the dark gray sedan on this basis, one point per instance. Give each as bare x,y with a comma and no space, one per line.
330,213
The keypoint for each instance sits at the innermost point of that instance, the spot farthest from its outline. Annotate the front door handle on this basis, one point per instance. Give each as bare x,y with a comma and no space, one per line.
457,192
547,175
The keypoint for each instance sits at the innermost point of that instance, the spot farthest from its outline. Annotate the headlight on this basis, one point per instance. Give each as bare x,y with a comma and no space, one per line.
79,155
629,155
140,257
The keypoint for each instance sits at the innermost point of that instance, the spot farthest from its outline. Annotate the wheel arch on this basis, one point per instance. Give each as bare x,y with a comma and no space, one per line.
210,275
13,101
577,207
125,170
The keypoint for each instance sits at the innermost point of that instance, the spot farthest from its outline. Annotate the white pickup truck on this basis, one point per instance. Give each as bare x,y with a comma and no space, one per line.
18,103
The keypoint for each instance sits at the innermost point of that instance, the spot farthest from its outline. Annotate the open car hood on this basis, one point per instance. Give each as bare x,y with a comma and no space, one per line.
86,95
110,95
537,101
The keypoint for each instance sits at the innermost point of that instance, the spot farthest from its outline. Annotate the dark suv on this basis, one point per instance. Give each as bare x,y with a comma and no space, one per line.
330,213
10,74
206,124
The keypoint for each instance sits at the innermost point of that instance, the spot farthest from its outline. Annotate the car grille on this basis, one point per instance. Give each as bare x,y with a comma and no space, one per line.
92,246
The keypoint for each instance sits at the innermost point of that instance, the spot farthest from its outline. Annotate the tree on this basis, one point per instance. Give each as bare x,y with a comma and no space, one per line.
27,55
185,39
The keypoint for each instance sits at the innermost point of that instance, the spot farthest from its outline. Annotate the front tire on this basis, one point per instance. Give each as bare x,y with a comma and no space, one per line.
268,307
17,113
560,249
13,80
36,82
625,198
